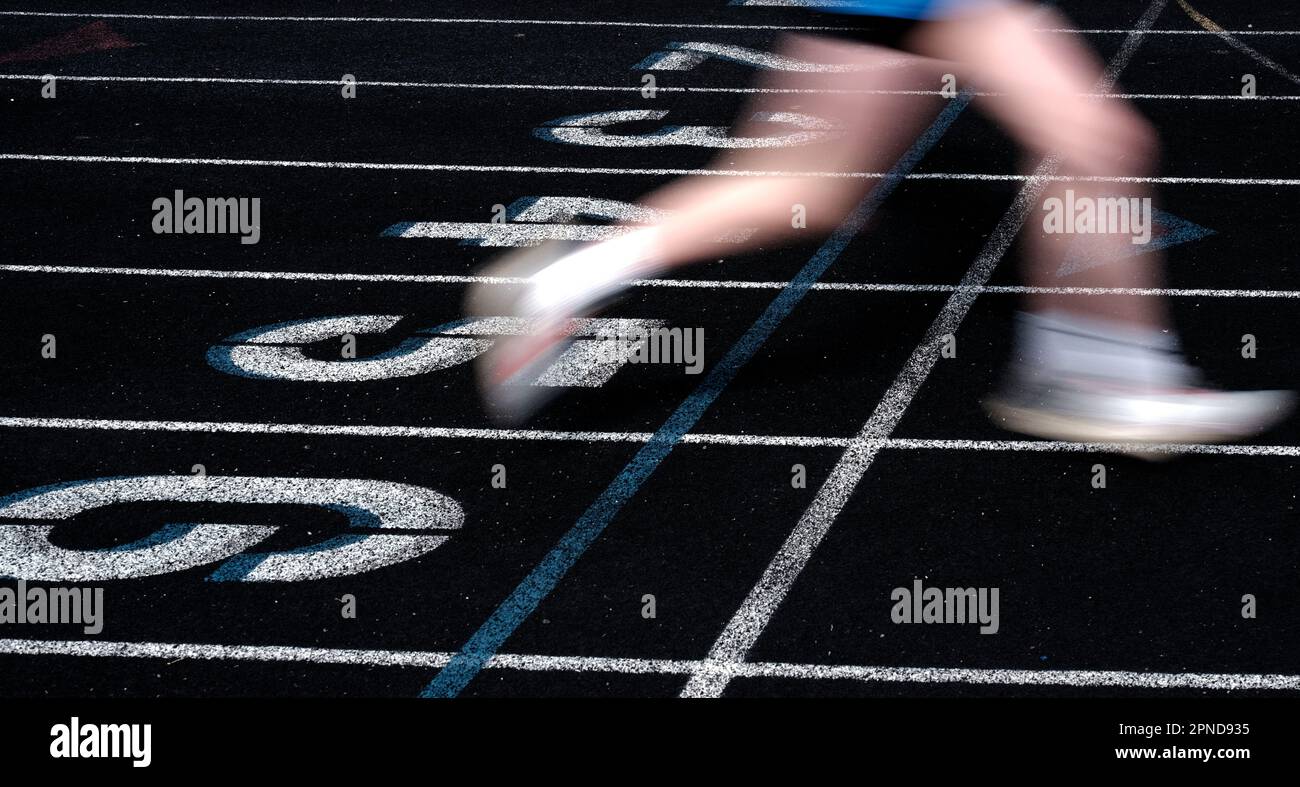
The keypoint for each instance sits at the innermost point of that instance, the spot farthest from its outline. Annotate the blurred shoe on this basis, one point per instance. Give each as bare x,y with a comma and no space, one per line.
1108,411
548,305
1084,379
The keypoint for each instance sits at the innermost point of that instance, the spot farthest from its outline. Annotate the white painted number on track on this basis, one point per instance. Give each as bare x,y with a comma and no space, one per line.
276,352
533,220
372,509
589,129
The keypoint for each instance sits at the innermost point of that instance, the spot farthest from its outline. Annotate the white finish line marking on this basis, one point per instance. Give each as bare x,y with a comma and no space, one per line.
717,284
635,666
766,596
381,165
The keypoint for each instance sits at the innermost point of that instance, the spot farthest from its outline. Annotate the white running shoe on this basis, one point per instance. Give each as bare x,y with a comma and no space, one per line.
508,371
1086,409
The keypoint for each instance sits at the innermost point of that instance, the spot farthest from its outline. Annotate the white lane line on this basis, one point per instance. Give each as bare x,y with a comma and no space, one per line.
1013,677
610,88
1114,31
715,284
469,85
765,597
421,432
701,438
1166,181
414,167
206,273
351,430
638,666
1194,97
412,20
1049,446
567,23
1160,292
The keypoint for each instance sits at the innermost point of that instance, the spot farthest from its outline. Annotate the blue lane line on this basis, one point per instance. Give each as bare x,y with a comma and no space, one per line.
542,580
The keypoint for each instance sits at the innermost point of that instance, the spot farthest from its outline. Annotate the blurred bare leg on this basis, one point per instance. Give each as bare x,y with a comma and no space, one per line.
1098,367
874,130
1044,81
1087,367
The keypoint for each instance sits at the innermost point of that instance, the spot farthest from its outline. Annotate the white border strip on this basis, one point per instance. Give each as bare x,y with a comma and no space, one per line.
637,666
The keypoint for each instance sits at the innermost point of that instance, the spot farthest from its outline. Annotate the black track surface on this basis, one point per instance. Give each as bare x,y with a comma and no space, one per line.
1145,575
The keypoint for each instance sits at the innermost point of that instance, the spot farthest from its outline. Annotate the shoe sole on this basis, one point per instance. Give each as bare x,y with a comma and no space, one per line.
1055,426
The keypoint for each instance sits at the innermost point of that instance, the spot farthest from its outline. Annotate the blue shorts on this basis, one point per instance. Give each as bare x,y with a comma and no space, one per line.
902,9
887,23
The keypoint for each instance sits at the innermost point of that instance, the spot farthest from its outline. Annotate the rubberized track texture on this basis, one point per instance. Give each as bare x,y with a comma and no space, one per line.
266,516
